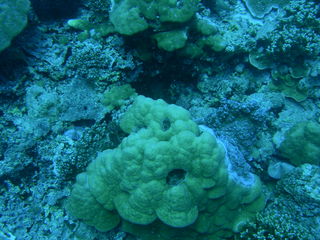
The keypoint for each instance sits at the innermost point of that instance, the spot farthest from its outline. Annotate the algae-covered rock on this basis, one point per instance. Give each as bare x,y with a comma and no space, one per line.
259,8
13,18
279,169
302,143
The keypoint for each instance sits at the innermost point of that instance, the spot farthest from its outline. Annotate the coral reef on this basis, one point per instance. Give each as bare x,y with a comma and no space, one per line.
294,211
243,75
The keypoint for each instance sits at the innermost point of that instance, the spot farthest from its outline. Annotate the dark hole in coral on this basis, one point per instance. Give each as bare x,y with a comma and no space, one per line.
23,175
176,176
84,123
3,148
68,55
166,124
32,152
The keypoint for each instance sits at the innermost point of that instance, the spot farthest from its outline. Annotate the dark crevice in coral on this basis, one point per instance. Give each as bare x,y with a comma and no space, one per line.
157,79
26,173
84,123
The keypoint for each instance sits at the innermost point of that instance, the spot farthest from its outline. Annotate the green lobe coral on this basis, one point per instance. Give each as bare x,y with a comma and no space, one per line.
133,16
127,20
85,206
171,40
166,172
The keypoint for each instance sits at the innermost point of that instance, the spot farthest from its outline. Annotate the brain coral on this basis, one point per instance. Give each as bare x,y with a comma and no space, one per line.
165,173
